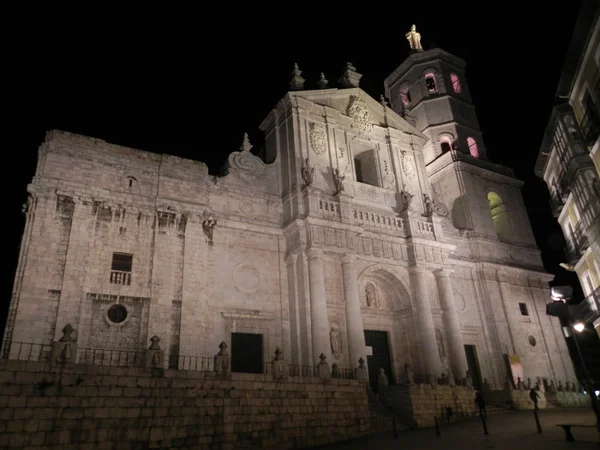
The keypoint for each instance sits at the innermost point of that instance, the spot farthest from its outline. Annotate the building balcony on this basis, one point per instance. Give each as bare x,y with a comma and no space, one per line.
590,127
120,277
577,244
557,202
591,305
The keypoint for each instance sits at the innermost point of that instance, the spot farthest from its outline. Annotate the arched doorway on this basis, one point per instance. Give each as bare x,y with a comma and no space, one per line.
382,294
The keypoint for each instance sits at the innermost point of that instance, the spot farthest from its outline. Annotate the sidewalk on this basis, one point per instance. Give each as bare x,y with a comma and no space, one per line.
510,430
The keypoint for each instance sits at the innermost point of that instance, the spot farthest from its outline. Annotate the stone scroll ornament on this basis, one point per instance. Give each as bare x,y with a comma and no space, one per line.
308,173
248,166
318,138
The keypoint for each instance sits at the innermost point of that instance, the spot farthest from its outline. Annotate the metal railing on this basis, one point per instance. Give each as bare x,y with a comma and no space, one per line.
25,351
577,243
590,126
110,357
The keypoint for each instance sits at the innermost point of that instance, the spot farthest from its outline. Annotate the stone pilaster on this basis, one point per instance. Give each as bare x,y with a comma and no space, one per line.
354,321
432,369
456,349
318,304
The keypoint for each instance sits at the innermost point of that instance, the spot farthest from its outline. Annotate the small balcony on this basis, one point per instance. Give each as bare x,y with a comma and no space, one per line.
577,243
120,277
590,126
591,305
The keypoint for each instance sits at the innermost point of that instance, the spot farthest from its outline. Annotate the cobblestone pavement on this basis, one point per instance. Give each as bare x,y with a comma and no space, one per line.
514,430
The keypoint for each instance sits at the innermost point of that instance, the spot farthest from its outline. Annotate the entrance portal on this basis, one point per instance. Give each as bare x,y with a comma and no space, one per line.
246,353
472,362
378,341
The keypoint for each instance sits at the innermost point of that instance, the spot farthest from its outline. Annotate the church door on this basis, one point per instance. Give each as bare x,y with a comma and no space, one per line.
473,364
380,358
246,353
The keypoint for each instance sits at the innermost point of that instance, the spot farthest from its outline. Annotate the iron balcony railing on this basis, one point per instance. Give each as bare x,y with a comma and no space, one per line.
577,243
591,305
590,126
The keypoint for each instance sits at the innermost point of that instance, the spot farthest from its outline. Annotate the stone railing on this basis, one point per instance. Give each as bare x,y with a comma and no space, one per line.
329,209
378,221
120,277
425,228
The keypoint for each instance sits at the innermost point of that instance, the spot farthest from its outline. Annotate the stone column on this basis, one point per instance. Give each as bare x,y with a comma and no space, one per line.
456,349
426,330
319,320
354,322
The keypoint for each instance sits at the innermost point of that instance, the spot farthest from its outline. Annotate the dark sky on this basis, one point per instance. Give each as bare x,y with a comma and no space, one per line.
197,99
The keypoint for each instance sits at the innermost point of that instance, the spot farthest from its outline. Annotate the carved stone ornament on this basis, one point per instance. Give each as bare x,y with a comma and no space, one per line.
389,180
408,164
208,226
438,206
406,198
338,180
318,138
427,205
336,340
248,166
359,113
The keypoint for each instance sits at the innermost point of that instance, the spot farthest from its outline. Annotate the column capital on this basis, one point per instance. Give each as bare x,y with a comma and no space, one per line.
418,270
443,272
314,253
348,259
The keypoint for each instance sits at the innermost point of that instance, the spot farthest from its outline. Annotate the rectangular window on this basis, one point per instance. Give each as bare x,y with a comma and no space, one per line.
523,308
358,169
120,270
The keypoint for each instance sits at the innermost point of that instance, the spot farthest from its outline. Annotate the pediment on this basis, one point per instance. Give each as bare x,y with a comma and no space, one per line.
361,110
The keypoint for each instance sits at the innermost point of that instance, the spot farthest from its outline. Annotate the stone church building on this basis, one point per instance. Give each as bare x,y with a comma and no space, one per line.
363,229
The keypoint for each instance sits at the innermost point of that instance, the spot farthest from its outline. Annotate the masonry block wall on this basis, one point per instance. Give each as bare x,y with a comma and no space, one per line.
86,406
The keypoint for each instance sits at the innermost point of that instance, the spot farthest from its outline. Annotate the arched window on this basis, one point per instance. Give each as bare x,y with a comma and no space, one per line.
455,83
499,216
430,82
473,150
405,95
445,144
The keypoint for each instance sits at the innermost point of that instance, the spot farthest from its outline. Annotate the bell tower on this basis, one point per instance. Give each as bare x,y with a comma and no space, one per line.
430,89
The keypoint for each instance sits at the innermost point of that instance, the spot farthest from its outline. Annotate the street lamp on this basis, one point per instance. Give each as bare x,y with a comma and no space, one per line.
568,314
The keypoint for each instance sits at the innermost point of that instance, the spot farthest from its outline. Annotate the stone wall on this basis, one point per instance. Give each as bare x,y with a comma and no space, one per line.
85,406
420,403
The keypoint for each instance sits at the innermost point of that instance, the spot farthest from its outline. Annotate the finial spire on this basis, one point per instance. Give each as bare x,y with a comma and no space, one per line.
246,145
382,100
322,84
350,78
297,82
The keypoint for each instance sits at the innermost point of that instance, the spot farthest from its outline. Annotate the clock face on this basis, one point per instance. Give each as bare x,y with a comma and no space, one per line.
464,113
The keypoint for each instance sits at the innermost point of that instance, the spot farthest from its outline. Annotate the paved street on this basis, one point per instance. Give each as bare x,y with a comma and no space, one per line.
514,430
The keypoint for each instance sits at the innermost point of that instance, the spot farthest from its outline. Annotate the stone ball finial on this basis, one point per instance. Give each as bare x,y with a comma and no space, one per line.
323,358
155,340
322,84
246,145
361,362
68,331
278,354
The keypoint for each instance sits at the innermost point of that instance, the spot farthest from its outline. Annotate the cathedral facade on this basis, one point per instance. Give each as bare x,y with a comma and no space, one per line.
367,229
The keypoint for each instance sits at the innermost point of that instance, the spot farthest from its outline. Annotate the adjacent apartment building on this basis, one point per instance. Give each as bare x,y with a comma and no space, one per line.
569,159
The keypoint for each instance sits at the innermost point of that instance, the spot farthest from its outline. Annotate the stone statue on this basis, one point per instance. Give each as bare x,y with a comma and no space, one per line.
308,173
208,225
336,344
414,39
427,205
406,199
371,295
338,179
440,344
468,379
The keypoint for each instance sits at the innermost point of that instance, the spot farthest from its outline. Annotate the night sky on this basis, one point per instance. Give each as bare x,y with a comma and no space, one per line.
196,102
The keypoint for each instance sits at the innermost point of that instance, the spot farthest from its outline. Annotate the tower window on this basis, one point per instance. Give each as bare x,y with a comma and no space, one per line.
523,309
405,95
473,150
455,83
358,170
445,144
120,270
430,82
